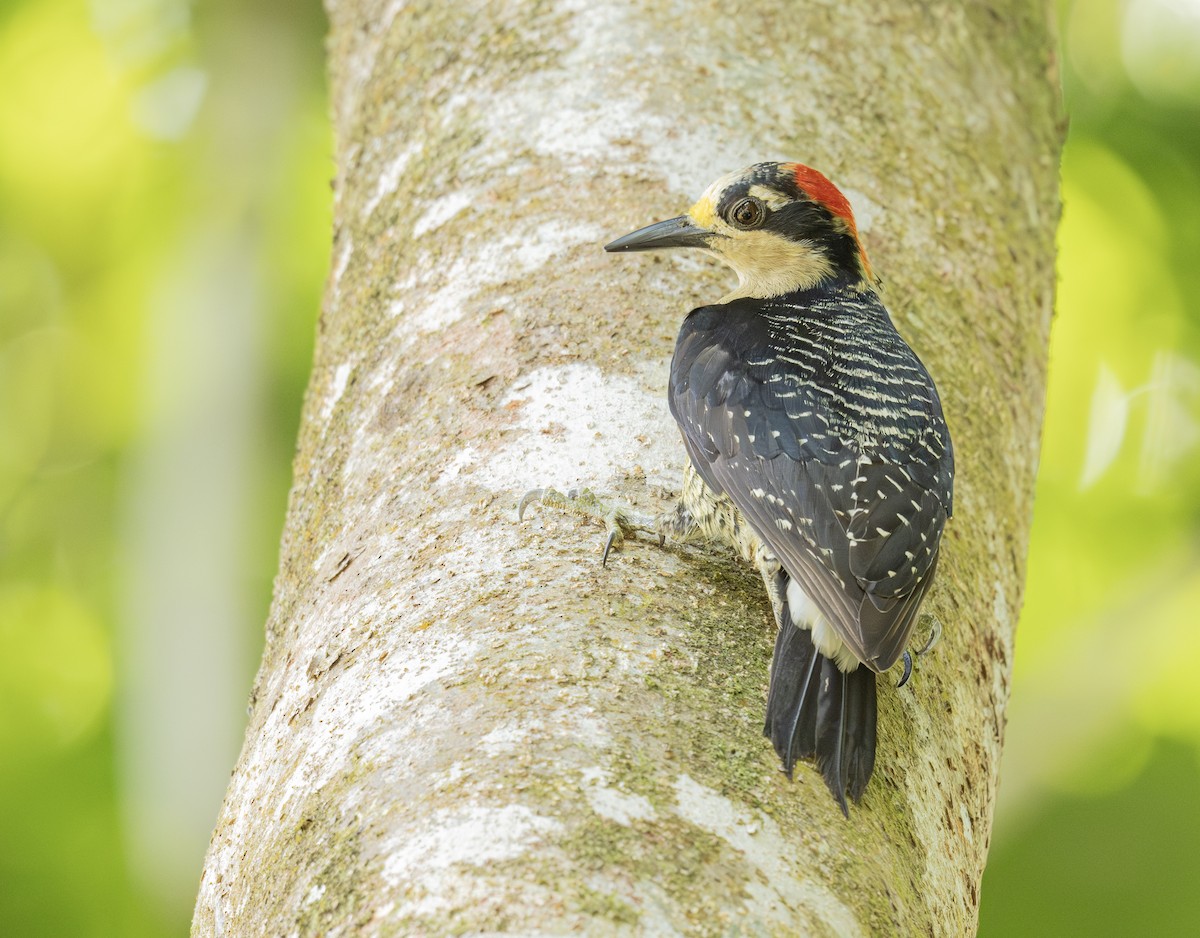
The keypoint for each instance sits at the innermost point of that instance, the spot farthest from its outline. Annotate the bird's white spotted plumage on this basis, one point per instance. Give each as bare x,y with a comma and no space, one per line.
818,445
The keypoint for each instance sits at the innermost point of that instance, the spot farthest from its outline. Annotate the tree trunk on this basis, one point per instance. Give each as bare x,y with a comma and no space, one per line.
466,724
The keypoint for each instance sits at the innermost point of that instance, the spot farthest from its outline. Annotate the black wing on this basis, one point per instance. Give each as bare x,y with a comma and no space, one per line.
853,502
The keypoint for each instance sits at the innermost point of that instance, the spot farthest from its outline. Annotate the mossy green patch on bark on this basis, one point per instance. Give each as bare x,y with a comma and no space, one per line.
316,872
722,665
698,871
606,906
336,895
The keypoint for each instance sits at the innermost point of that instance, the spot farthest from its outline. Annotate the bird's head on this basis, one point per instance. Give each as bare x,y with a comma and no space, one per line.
781,227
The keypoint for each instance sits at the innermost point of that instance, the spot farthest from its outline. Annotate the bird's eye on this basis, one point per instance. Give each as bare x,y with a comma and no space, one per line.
748,213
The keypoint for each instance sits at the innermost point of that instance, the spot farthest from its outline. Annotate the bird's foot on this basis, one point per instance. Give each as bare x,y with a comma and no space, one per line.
618,522
935,634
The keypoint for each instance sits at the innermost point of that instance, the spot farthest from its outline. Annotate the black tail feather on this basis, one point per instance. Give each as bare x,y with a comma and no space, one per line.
815,711
791,720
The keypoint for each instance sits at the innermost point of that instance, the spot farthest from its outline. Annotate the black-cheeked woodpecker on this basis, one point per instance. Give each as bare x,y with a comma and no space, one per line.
817,448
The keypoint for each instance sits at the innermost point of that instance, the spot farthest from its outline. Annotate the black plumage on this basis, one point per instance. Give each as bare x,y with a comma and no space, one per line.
816,419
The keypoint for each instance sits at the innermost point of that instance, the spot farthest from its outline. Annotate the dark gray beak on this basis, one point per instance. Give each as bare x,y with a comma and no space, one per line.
672,233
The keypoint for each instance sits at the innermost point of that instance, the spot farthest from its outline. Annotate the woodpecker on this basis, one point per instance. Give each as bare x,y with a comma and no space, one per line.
817,448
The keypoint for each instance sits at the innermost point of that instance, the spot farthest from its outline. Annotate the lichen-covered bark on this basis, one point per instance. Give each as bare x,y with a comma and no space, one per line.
465,724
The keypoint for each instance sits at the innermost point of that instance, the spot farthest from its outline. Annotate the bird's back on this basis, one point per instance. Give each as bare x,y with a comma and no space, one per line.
820,423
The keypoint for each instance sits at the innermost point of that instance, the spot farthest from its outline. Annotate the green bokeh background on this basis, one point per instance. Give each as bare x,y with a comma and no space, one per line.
164,238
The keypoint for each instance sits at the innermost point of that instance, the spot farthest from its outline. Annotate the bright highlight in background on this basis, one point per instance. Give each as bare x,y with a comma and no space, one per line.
1160,48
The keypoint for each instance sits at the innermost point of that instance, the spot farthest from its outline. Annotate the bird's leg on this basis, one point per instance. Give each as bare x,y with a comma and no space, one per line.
620,523
676,523
775,580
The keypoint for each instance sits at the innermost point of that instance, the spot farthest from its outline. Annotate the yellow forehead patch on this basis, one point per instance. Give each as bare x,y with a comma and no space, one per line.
703,213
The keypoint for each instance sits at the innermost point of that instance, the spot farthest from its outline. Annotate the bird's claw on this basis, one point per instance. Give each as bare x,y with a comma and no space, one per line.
612,536
582,502
935,634
533,495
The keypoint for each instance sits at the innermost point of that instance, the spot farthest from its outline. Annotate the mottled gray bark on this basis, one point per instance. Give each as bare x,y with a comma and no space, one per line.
462,724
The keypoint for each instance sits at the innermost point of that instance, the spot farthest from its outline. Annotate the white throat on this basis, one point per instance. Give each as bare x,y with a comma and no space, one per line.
768,265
